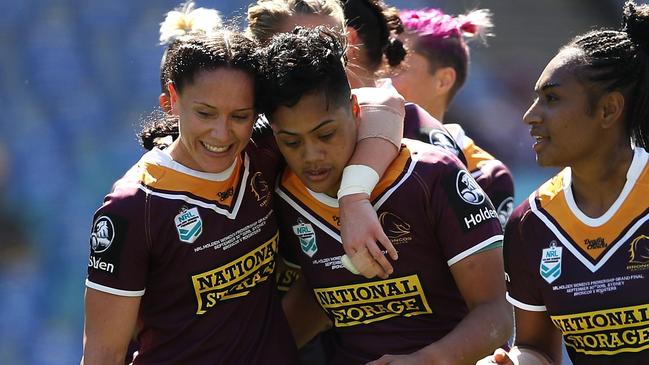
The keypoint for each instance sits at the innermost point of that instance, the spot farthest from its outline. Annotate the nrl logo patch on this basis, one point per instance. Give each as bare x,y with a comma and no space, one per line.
189,225
305,233
550,267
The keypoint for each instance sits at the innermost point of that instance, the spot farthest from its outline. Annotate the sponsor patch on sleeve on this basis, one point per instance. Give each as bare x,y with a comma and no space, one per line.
467,199
106,243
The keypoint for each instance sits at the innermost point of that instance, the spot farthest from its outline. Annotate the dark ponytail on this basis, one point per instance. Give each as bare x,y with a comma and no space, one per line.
376,25
636,25
395,52
159,132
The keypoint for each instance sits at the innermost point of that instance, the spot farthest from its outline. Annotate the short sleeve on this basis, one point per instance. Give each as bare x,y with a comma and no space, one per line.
466,220
500,190
521,289
119,246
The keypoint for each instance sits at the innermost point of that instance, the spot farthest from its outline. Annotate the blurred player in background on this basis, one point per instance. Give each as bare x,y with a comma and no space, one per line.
435,69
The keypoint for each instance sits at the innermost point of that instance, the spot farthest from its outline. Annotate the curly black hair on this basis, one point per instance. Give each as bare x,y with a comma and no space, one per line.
302,62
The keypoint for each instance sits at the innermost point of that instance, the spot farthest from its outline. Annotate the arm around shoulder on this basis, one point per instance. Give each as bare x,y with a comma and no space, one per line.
378,143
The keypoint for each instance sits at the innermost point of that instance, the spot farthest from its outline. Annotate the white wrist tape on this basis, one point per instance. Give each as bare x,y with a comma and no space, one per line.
358,179
347,263
523,356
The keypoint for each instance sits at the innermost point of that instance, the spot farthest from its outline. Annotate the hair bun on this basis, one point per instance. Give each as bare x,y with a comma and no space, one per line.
395,52
635,23
186,19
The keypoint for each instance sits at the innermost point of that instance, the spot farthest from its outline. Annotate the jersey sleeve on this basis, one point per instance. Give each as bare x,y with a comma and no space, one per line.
119,246
263,141
420,125
500,189
466,221
521,290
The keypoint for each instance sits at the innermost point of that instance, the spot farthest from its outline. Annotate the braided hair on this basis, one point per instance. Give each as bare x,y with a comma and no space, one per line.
618,60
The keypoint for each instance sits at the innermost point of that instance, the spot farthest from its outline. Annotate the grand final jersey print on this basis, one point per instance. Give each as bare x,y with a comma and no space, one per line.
433,212
591,275
200,250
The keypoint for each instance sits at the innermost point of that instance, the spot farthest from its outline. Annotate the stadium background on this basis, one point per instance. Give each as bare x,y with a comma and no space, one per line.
78,76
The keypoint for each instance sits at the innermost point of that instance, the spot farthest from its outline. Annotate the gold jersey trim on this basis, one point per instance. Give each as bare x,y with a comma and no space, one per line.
592,244
222,196
475,156
293,191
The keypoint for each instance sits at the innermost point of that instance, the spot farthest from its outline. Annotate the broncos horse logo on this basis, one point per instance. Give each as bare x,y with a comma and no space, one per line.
639,250
260,189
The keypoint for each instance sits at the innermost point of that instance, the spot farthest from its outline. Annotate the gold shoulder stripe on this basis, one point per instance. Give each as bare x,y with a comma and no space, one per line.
392,174
475,156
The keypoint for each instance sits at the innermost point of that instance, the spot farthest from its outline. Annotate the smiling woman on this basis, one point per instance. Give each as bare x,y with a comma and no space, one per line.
150,271
216,113
571,250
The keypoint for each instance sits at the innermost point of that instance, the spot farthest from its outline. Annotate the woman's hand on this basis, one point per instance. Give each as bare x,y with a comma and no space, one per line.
500,357
360,230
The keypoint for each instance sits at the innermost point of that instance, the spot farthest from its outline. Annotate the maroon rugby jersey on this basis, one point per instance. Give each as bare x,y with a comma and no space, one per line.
491,174
200,249
435,215
420,125
591,275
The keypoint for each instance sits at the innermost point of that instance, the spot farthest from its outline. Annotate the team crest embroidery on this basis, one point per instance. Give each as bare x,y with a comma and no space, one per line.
189,225
468,189
639,250
306,235
102,235
550,266
639,254
397,230
260,189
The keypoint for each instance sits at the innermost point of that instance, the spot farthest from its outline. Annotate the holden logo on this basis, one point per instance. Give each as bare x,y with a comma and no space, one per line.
468,189
102,235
